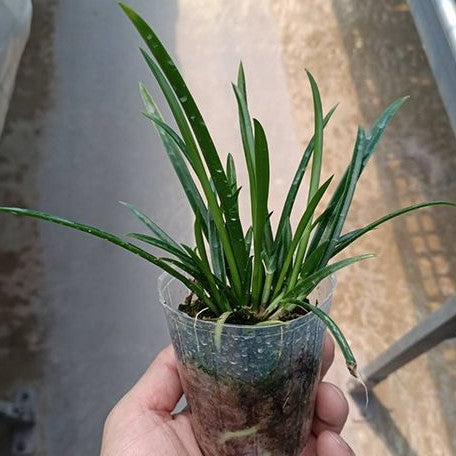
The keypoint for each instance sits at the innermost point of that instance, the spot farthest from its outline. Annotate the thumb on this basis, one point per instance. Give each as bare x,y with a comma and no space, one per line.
159,389
332,444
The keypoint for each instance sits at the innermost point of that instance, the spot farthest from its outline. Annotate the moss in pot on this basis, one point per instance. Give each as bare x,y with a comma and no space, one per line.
247,307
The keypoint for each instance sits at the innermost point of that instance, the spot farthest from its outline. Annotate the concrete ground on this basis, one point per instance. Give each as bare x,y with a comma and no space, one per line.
79,319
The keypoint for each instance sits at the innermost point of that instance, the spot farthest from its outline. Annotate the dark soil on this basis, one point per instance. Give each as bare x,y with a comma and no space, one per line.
245,316
268,418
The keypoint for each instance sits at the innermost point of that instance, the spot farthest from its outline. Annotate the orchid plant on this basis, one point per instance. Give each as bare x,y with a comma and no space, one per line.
258,272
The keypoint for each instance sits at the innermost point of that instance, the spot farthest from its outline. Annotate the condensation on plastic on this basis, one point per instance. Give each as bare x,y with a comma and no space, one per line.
254,393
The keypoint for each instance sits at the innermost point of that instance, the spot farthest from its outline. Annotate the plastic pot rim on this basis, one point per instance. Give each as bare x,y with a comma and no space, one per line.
165,280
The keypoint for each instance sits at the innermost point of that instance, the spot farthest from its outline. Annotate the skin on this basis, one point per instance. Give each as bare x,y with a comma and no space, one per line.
142,423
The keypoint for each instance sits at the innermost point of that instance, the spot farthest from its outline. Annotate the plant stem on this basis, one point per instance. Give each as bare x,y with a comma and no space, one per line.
267,287
300,256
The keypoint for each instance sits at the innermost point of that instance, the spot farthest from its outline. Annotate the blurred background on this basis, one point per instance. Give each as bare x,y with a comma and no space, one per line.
80,320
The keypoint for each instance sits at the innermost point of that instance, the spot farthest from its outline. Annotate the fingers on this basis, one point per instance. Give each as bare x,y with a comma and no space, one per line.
328,354
159,388
331,444
331,409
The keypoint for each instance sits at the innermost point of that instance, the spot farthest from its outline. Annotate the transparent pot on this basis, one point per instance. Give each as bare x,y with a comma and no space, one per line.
254,394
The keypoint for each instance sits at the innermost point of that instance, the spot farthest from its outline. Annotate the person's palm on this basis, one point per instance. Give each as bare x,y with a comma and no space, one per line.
142,423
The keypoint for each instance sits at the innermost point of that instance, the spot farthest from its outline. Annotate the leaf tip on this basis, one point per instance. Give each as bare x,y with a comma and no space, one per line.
126,9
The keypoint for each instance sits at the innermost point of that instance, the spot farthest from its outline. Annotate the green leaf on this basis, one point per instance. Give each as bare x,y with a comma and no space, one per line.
311,262
307,284
159,233
110,238
296,183
335,331
204,266
371,139
201,248
231,172
261,215
201,134
268,236
248,240
376,132
175,156
305,219
352,236
314,177
160,243
335,224
225,291
217,256
247,135
245,301
232,179
318,139
189,150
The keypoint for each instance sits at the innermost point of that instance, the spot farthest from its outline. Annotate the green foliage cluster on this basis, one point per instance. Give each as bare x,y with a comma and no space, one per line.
258,270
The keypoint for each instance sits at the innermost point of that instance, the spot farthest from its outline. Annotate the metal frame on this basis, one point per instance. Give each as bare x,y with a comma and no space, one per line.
19,416
435,21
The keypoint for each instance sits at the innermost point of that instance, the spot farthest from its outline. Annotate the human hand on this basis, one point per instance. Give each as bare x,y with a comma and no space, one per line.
142,423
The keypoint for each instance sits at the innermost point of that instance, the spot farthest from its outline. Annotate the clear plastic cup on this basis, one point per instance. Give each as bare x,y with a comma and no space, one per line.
254,393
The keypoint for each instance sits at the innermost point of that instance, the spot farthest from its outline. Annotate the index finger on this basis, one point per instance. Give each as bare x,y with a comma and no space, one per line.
328,354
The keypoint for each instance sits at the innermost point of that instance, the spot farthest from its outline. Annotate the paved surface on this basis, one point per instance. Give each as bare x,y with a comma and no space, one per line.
79,319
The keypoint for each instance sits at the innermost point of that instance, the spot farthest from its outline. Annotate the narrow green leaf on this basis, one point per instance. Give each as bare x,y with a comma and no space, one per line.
195,273
334,226
160,243
318,141
372,139
317,159
335,331
159,233
231,172
247,134
204,265
217,256
312,260
189,149
306,217
282,248
202,136
232,179
352,236
248,141
227,295
248,240
268,236
175,156
296,183
307,284
200,241
110,238
241,81
261,215
376,132
246,284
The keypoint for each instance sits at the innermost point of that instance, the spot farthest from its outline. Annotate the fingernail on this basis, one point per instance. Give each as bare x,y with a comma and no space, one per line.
338,391
340,442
